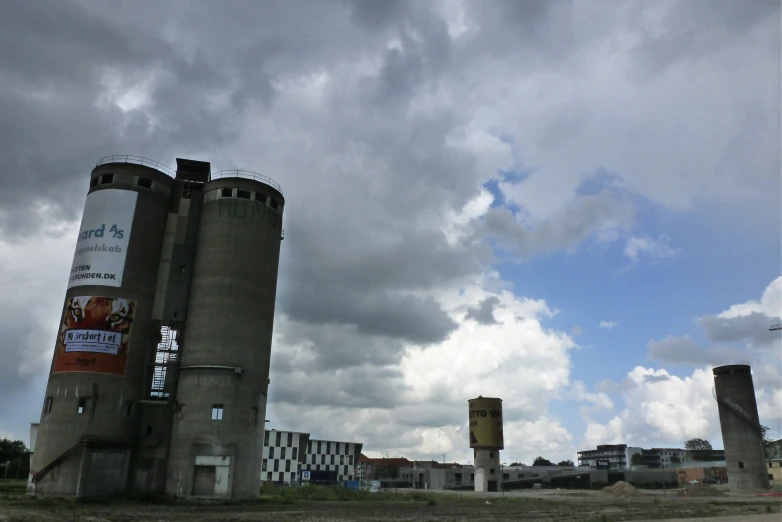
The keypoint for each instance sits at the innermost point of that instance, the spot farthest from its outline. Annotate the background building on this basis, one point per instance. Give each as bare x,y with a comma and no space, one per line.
160,369
287,453
620,456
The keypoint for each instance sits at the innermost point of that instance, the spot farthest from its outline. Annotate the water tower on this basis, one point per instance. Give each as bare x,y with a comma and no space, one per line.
486,441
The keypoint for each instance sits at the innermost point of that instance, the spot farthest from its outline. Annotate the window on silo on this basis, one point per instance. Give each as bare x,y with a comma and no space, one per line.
226,193
94,182
260,197
741,465
127,407
243,194
47,406
107,179
217,412
144,182
273,203
82,406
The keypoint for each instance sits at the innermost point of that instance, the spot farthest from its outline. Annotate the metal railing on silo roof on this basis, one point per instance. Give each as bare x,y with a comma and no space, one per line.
247,175
138,160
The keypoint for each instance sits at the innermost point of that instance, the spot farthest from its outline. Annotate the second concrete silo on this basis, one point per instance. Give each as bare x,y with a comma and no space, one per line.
741,429
217,437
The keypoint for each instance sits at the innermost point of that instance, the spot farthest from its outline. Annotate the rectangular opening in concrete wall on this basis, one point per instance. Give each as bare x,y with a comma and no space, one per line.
81,406
217,412
47,405
211,476
127,407
144,182
166,355
104,473
107,179
204,481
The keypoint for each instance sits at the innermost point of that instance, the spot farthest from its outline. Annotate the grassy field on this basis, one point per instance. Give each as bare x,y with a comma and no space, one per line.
338,504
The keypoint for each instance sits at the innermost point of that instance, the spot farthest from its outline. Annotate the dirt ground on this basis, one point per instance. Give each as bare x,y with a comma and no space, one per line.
406,506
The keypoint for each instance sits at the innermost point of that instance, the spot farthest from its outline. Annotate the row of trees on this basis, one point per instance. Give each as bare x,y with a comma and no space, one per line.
540,461
14,459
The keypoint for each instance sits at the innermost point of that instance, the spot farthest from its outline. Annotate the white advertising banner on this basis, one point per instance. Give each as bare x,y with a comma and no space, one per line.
103,238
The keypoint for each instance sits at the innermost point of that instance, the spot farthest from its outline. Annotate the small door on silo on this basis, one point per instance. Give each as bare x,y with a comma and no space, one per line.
204,481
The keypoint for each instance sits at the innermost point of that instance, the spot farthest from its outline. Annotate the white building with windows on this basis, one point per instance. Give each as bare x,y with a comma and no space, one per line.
286,453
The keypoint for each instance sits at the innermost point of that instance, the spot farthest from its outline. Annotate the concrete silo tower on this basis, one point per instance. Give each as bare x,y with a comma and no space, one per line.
486,441
90,410
223,375
741,429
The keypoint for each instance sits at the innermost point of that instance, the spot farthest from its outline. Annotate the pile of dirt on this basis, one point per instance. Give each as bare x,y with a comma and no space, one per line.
622,489
700,490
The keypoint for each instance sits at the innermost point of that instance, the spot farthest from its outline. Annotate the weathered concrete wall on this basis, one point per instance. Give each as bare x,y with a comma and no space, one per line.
227,340
738,410
487,460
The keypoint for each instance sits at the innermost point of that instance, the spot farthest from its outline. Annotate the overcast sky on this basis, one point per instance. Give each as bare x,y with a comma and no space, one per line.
572,205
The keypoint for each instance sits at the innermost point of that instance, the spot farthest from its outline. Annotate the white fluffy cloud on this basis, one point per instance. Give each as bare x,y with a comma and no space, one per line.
660,409
640,247
427,388
770,304
607,325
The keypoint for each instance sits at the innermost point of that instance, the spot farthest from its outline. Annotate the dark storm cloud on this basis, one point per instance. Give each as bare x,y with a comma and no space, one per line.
329,347
753,327
683,350
484,312
587,215
360,387
690,32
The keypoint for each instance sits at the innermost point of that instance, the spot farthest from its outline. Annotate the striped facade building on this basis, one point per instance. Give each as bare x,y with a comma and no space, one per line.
286,453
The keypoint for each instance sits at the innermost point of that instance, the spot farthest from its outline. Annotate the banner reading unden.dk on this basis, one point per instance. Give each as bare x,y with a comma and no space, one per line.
94,335
103,238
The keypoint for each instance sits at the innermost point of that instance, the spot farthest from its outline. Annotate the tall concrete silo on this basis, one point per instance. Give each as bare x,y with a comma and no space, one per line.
741,429
217,436
486,441
89,416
